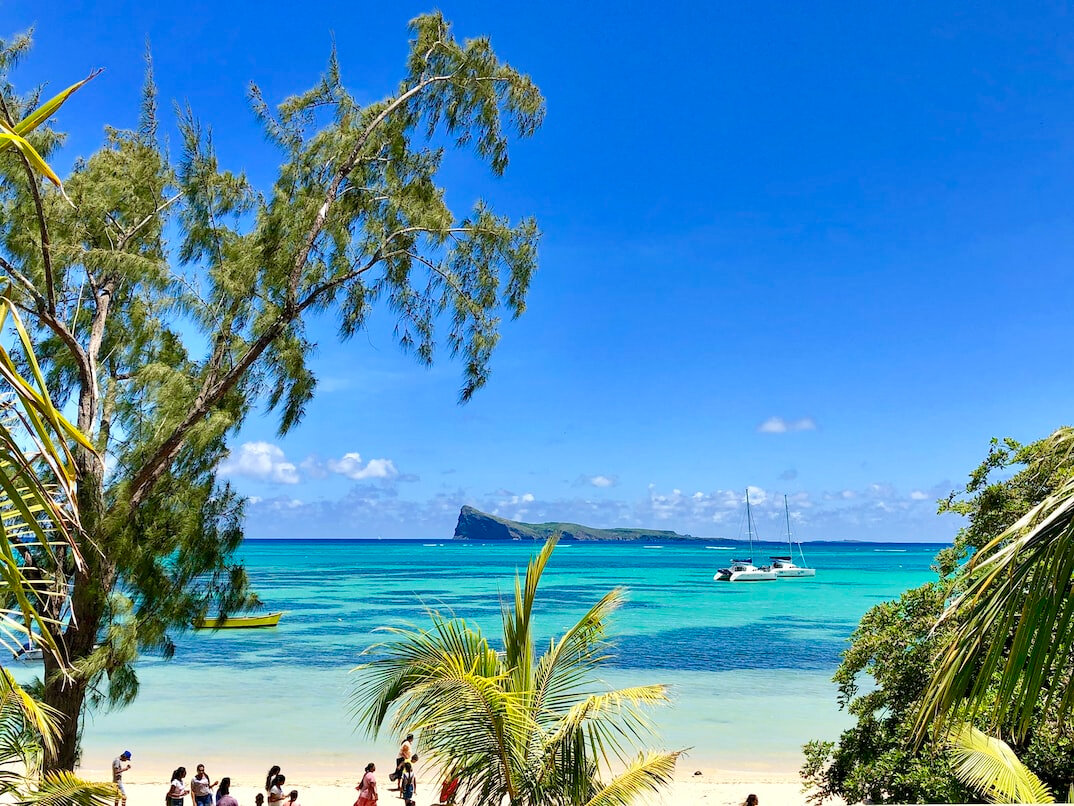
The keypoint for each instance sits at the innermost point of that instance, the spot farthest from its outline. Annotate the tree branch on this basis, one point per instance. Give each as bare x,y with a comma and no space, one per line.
51,322
126,236
211,393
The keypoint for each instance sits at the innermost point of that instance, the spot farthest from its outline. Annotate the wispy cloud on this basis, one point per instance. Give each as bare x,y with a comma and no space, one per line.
352,466
602,481
779,425
262,461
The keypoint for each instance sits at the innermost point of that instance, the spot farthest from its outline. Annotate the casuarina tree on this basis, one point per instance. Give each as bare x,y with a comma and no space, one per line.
170,296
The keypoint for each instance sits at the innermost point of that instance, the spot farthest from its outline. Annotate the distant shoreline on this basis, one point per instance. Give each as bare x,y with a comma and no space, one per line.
680,541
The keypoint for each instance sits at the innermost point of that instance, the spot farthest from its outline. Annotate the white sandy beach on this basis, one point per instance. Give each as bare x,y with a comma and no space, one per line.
713,787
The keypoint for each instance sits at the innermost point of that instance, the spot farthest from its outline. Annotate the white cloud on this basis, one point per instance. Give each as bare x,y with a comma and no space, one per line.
918,495
260,460
779,425
351,466
601,480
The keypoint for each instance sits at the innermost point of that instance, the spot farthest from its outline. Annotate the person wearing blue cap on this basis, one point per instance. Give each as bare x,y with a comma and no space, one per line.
119,766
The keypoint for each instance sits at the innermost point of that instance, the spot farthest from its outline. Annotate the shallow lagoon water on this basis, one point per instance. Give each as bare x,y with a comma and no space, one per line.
749,664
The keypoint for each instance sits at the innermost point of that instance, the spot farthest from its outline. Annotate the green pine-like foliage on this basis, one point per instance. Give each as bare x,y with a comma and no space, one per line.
170,299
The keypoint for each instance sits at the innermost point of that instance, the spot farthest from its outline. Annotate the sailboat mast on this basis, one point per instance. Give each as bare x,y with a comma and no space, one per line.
787,510
749,522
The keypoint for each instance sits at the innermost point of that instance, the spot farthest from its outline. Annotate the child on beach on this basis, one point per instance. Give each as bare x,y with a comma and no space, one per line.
259,799
408,783
404,756
293,798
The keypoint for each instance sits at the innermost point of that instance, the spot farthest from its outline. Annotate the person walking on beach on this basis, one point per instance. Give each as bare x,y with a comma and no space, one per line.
405,750
367,787
274,770
408,783
275,794
292,799
119,766
177,792
201,787
751,800
224,796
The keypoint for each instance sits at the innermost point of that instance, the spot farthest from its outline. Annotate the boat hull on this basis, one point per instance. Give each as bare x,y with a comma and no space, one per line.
239,622
795,573
753,575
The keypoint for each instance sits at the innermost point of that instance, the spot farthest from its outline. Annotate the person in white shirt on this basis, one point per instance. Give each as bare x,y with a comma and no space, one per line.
119,766
201,787
177,792
275,794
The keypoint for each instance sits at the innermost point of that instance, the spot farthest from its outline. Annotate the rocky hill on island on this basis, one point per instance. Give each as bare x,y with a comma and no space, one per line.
481,527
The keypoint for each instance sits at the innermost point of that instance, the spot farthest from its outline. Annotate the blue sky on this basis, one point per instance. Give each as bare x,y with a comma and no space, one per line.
819,250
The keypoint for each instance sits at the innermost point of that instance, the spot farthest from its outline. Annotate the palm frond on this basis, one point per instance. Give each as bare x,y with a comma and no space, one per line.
1015,620
37,504
647,775
63,788
17,703
988,766
611,721
415,657
517,633
569,662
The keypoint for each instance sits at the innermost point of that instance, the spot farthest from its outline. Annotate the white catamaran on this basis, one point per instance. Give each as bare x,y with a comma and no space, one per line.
745,570
784,567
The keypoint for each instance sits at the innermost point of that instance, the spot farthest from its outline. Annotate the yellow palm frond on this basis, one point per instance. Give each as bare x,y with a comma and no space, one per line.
987,765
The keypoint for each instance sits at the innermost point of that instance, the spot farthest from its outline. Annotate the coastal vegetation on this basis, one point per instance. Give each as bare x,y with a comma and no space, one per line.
971,648
167,298
511,725
39,526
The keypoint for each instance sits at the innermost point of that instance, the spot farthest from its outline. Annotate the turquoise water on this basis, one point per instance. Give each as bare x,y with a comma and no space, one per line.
749,664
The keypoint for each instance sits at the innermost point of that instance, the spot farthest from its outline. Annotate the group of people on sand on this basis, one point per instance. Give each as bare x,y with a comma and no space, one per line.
203,790
405,779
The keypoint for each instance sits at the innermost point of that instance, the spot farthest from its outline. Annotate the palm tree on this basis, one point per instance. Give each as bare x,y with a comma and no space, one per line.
38,515
38,520
27,729
511,726
1011,646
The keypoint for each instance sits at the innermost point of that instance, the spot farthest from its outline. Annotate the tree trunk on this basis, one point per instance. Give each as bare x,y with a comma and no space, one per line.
89,599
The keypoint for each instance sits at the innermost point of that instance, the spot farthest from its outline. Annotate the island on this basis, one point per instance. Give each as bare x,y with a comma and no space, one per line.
482,527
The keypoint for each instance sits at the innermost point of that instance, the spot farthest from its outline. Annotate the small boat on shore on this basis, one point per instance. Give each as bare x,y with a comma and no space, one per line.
238,622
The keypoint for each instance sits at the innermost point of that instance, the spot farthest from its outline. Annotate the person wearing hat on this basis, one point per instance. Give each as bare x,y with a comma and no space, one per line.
119,766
